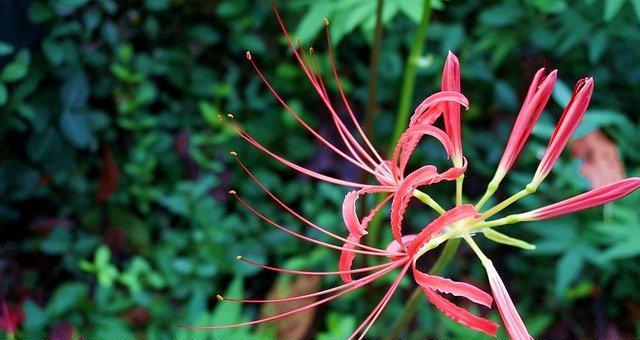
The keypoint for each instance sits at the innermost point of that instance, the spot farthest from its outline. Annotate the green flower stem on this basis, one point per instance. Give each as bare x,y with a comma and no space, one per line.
426,199
459,181
374,61
499,207
409,80
411,306
406,96
491,189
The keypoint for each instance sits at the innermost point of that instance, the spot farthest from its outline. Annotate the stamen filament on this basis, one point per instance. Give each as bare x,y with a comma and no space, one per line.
297,310
316,273
306,238
297,215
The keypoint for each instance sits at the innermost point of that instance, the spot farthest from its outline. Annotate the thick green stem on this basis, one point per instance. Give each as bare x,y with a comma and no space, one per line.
459,181
411,306
370,112
374,61
409,81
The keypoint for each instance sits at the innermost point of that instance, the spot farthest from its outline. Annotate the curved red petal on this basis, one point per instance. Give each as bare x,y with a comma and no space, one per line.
347,257
461,315
445,285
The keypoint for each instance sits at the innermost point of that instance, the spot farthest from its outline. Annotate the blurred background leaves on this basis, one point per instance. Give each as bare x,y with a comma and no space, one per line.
114,172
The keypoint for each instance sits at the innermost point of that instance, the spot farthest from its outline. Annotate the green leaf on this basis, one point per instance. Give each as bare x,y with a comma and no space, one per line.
636,7
311,23
40,12
501,15
412,9
75,91
4,94
66,296
35,317
17,68
597,46
57,242
550,6
570,265
65,7
5,49
338,327
75,126
611,8
561,93
157,5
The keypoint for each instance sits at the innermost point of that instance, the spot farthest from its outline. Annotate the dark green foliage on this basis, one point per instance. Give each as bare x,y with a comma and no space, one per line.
115,169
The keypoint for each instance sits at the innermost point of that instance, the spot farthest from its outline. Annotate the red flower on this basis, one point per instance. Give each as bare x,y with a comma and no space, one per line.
462,221
11,317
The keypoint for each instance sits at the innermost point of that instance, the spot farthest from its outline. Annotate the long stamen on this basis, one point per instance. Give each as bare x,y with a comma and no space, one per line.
300,236
294,213
346,102
288,163
312,273
292,312
364,280
375,313
319,90
345,134
297,117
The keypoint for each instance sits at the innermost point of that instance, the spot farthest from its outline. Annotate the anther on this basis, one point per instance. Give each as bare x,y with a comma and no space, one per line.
219,297
230,115
248,54
232,192
238,257
233,153
325,21
311,50
220,118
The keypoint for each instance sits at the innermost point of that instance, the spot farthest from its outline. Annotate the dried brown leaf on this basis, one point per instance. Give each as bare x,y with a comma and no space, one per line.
601,163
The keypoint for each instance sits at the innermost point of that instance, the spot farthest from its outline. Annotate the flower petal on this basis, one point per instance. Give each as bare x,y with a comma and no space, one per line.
445,285
589,199
425,175
347,257
510,317
461,315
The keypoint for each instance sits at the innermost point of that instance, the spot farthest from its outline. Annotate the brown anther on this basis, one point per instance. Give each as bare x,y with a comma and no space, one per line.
248,54
325,21
219,297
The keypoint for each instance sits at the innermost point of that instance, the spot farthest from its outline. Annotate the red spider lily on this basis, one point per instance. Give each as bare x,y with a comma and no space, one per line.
459,222
10,317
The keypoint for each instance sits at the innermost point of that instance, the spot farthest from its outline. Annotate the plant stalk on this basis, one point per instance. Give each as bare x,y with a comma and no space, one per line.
409,80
